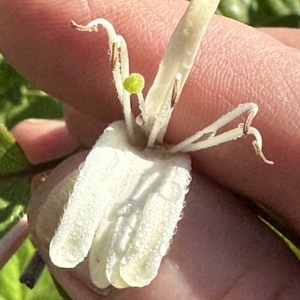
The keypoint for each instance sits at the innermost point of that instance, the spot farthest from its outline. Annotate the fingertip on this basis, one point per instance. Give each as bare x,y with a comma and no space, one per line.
288,36
44,140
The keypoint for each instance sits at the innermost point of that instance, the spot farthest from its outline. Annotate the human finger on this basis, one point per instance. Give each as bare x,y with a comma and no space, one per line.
237,62
44,140
221,250
288,36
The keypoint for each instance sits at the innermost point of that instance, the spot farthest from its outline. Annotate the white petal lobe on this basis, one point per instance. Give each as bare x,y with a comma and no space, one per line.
74,235
147,186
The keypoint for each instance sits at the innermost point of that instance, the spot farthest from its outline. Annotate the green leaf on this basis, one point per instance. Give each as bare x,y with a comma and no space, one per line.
12,289
10,88
19,100
35,104
235,9
14,195
12,158
262,12
294,249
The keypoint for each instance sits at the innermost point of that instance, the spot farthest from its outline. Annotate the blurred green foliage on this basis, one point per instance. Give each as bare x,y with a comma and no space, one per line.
19,100
263,13
12,157
11,289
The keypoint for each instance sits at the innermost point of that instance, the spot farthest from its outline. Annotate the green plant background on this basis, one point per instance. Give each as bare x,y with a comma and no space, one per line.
19,101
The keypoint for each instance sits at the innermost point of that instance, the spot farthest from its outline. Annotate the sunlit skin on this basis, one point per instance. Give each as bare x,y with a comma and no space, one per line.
229,252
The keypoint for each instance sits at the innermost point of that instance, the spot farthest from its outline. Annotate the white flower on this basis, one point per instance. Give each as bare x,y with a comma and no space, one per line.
129,195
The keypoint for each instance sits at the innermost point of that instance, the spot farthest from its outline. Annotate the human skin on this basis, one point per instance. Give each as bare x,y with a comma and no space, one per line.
221,250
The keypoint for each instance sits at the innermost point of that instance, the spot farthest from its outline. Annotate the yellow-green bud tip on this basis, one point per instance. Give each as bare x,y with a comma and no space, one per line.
134,83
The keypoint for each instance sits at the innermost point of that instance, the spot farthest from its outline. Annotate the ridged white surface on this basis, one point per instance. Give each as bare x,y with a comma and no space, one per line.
124,208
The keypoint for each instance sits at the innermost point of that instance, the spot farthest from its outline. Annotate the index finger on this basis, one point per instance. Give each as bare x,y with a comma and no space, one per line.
237,64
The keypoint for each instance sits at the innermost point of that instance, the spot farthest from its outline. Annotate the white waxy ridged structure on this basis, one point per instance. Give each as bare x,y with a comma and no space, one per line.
130,192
